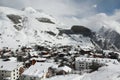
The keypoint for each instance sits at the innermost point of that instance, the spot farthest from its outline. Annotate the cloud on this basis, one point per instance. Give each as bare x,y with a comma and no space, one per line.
55,7
60,9
14,3
95,22
95,6
74,12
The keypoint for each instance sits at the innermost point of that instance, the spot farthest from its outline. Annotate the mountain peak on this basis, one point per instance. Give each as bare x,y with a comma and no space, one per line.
30,10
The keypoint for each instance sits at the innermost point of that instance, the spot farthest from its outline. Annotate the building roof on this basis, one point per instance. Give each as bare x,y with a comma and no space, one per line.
13,59
9,66
38,69
7,78
33,53
65,68
99,60
39,59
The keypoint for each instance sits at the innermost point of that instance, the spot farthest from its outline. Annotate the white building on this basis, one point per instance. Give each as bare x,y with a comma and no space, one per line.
37,71
82,63
10,70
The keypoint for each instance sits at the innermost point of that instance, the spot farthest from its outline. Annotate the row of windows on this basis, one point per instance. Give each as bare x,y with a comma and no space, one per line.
15,74
96,60
4,71
31,78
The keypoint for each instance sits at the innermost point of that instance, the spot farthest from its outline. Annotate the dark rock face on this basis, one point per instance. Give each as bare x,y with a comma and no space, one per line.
17,20
81,30
105,39
66,31
51,33
18,27
14,18
45,20
112,37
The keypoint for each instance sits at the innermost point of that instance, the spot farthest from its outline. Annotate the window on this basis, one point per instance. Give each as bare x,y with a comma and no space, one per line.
34,78
31,78
106,61
1,66
23,76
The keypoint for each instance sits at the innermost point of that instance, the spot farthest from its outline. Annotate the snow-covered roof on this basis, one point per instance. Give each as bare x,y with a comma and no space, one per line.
38,59
7,54
9,66
13,59
99,60
38,69
71,52
65,68
33,53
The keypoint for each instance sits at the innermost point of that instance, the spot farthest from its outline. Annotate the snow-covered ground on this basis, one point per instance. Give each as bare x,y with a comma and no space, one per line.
110,72
66,77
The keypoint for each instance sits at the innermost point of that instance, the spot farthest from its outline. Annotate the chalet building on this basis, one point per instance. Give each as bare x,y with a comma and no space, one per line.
32,61
33,54
38,71
10,70
85,52
56,70
63,70
82,63
98,55
45,54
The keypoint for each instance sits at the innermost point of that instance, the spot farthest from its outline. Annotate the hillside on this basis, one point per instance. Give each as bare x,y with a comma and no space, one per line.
29,26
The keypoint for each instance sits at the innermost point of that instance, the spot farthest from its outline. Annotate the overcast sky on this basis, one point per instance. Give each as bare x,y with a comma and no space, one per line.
67,10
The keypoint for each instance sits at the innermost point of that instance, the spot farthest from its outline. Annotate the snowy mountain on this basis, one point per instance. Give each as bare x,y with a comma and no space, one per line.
30,26
23,27
110,39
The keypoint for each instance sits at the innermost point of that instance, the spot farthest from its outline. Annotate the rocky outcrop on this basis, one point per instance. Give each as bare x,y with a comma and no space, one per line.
17,20
45,20
14,18
111,37
81,30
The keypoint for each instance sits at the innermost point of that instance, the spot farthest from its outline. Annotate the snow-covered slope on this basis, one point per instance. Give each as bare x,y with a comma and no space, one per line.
66,77
111,36
29,26
21,27
110,72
